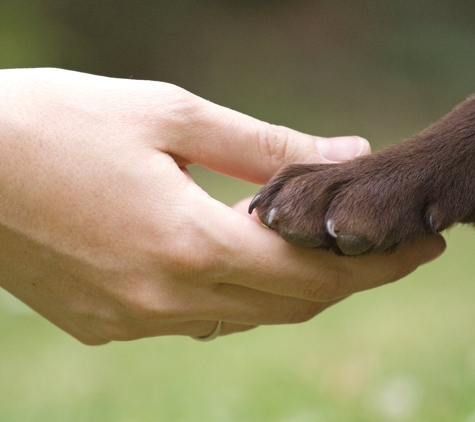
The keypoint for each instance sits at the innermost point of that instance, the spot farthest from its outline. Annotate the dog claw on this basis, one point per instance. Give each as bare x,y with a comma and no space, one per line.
432,225
351,244
330,226
254,203
270,217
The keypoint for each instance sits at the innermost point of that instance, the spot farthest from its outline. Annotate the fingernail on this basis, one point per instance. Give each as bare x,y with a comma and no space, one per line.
342,148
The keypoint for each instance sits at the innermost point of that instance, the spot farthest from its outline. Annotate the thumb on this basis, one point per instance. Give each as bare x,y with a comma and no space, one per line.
238,145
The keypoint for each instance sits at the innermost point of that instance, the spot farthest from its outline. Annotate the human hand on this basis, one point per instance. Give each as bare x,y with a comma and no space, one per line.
105,234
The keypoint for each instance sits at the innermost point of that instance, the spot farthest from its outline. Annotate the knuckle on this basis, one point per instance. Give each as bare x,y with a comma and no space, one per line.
161,106
179,100
123,335
192,259
303,313
92,341
131,333
331,284
145,310
112,330
273,143
125,327
181,108
147,303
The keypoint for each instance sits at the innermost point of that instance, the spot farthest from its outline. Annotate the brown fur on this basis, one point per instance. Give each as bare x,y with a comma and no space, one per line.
417,187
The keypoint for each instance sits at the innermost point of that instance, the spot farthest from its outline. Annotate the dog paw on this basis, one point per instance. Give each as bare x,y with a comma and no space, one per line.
413,189
368,205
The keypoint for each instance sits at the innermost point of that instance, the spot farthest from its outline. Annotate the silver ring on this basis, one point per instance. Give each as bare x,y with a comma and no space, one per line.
216,332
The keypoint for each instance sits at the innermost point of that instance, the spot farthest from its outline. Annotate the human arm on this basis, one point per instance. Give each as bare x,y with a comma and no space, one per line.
103,232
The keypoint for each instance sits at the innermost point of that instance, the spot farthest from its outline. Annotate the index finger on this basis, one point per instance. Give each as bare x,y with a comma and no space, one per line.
238,145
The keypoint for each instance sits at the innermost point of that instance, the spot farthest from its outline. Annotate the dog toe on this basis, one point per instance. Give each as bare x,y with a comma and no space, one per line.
352,244
299,237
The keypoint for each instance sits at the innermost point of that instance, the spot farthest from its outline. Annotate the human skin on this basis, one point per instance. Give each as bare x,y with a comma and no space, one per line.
105,234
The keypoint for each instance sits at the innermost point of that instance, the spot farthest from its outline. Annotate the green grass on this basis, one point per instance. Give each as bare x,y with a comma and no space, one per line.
404,352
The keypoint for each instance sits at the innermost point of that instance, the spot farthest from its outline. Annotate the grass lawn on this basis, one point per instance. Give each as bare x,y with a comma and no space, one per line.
405,352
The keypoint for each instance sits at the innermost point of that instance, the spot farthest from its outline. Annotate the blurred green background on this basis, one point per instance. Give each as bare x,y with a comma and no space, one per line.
382,70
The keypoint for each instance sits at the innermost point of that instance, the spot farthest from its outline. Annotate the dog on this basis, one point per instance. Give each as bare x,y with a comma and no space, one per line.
415,188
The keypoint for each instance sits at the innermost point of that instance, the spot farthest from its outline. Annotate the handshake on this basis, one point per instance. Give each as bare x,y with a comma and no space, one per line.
105,234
